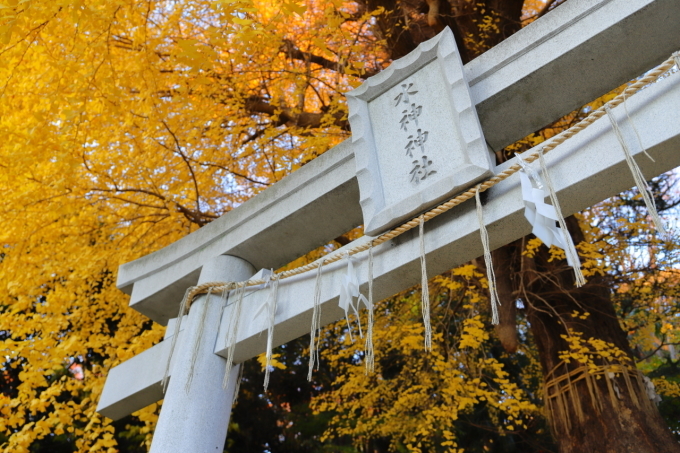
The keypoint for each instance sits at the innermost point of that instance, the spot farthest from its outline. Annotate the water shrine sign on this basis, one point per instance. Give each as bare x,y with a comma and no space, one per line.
417,139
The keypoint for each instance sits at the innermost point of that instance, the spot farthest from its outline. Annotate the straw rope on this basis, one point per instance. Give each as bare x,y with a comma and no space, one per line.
455,201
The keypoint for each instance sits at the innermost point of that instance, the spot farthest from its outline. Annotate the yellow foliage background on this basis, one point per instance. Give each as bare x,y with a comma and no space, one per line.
127,124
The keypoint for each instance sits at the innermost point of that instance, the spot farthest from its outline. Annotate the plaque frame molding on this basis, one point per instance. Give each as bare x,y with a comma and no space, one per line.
480,162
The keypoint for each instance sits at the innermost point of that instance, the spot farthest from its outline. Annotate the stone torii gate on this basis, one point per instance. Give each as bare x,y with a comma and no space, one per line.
577,47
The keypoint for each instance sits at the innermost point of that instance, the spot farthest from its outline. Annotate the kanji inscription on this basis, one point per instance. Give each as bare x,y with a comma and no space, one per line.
416,135
422,168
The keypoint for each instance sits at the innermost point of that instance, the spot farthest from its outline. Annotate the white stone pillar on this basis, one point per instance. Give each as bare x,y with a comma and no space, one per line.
197,420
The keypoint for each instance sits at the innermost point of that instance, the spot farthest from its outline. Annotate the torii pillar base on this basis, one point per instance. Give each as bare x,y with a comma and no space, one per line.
197,420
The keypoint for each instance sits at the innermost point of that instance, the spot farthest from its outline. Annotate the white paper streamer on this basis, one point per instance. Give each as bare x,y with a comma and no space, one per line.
649,385
490,274
543,216
569,249
424,287
349,289
264,308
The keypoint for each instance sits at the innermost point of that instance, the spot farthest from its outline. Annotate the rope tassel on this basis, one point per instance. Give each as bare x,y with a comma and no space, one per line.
197,342
232,332
490,274
182,311
316,324
368,347
274,295
425,289
238,386
639,178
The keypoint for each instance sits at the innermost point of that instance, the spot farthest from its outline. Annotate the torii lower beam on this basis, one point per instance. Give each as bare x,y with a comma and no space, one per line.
586,169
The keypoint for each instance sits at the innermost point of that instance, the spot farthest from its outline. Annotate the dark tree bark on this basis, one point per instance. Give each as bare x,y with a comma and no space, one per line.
588,415
506,330
309,120
609,414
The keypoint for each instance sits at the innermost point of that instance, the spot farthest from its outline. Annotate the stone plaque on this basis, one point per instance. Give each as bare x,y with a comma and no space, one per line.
417,139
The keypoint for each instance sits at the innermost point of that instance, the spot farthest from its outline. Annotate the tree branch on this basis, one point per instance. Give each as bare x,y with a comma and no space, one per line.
255,104
293,52
188,164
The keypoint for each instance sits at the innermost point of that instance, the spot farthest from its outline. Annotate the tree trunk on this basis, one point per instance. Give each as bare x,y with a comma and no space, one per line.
604,408
590,411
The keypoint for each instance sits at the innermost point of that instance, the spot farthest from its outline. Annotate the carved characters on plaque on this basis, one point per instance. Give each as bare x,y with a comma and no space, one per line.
422,166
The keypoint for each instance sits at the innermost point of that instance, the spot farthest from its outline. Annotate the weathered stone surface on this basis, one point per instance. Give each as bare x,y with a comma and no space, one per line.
317,203
575,53
567,58
417,139
135,383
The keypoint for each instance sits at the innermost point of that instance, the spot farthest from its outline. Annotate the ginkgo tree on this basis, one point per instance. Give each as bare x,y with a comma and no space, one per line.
127,124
